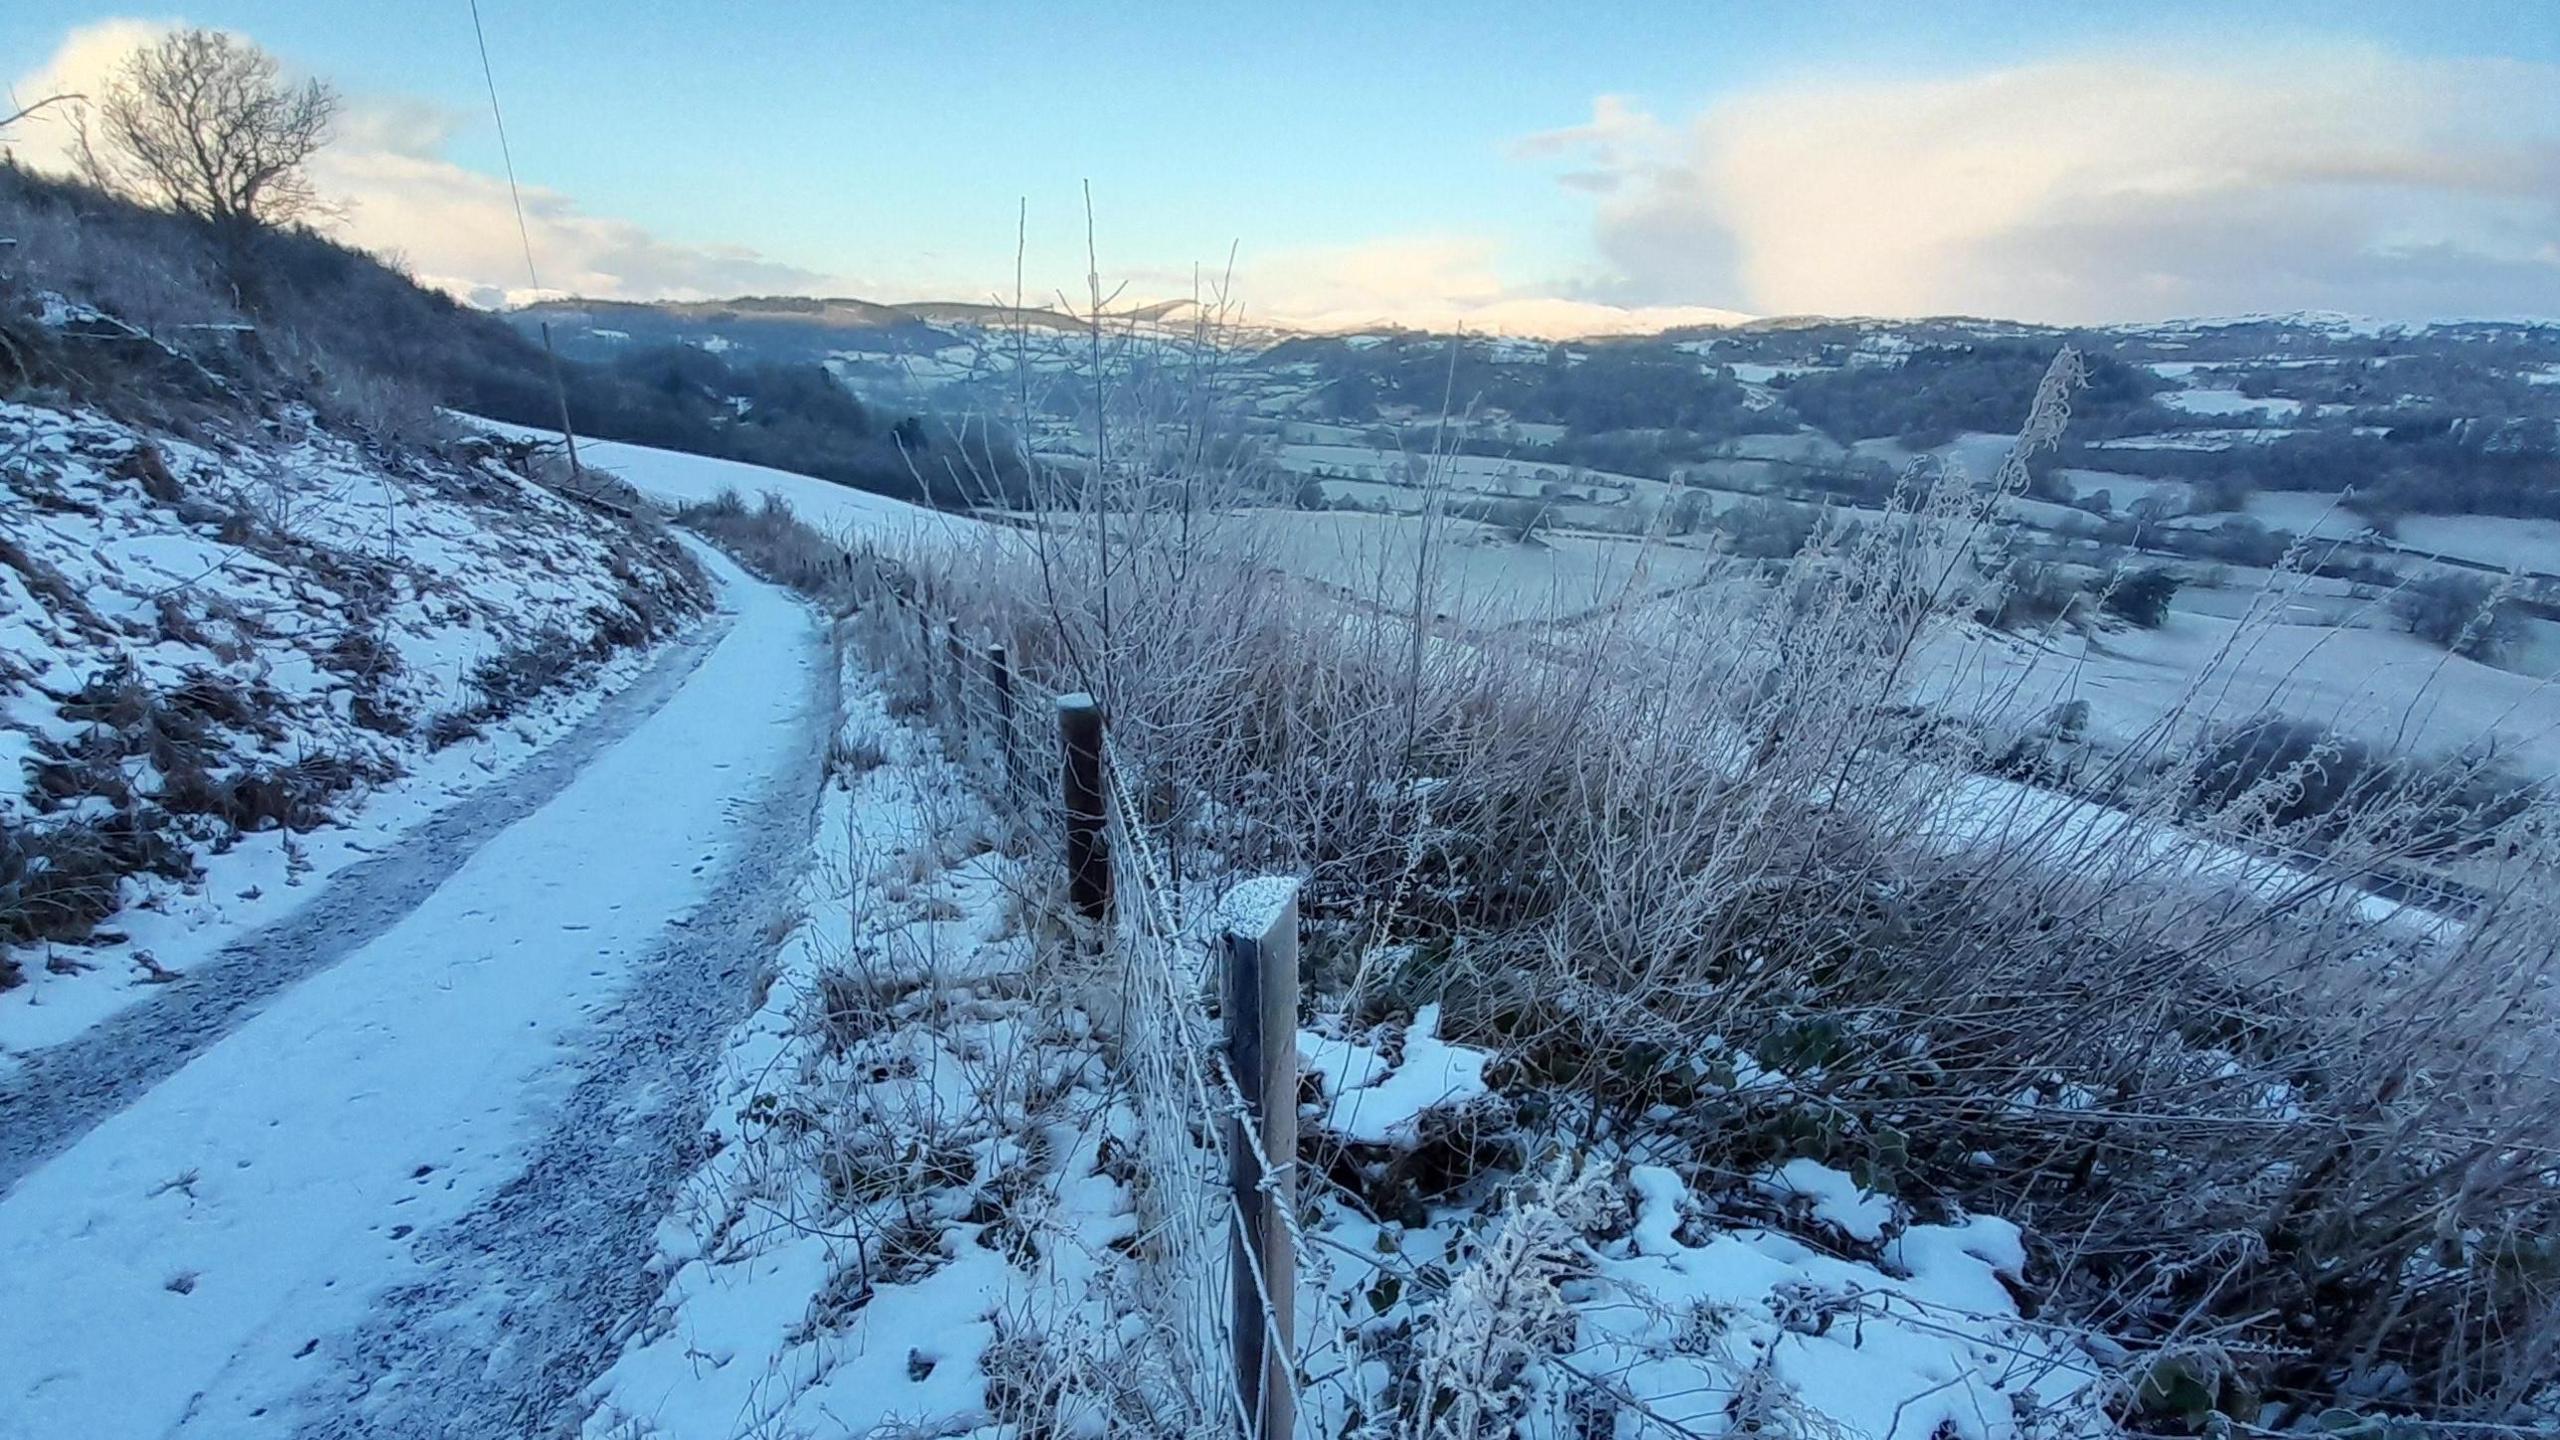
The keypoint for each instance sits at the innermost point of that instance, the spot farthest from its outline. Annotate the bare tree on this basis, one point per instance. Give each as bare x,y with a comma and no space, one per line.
202,122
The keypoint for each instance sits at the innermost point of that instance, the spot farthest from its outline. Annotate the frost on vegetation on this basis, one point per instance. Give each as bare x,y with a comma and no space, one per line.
209,640
1587,1304
1735,923
920,1213
2227,1084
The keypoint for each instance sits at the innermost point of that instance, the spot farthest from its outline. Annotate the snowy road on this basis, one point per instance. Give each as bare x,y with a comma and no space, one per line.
413,1194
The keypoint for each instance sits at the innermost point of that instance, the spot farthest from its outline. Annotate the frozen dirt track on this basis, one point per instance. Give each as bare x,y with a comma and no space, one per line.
414,1194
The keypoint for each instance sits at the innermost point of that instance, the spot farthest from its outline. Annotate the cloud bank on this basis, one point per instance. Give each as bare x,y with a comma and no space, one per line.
1444,282
2093,189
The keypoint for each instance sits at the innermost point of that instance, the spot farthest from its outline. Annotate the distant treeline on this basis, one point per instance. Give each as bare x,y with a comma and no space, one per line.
1934,394
2418,433
1617,386
2431,467
1941,391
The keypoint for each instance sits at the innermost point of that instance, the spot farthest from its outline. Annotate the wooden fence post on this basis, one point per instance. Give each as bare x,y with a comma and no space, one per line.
1261,1010
1000,681
955,663
1088,848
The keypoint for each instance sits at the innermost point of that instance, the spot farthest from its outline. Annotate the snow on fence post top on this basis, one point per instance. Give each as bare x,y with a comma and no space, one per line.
1253,906
1257,924
1077,700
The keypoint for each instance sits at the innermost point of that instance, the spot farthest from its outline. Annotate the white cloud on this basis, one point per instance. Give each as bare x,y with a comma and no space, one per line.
1435,283
453,226
1616,139
2097,188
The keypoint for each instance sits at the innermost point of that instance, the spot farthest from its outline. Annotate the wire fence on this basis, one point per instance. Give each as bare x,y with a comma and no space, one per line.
1202,1280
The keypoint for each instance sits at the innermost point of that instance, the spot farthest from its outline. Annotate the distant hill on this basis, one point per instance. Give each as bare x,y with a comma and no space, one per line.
2454,418
797,329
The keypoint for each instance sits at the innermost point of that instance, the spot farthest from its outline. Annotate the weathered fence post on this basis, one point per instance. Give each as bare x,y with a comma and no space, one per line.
955,663
1260,941
1088,849
1000,683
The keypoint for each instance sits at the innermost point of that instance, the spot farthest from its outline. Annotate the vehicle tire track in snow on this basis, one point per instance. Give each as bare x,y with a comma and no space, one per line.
58,1094
533,1292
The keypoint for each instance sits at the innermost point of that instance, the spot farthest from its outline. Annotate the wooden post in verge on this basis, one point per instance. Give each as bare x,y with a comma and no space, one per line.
1260,941
1088,848
955,663
1000,683
560,388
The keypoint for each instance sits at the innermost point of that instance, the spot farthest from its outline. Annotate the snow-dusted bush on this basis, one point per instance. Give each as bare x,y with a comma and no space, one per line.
2470,615
770,540
2142,596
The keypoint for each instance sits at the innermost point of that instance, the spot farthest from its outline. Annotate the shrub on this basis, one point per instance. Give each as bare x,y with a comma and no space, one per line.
57,882
2470,615
2142,597
2238,540
769,539
1517,519
2306,785
1760,529
2033,593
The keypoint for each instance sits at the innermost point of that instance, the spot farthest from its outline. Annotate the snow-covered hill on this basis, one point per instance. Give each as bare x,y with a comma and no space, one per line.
232,661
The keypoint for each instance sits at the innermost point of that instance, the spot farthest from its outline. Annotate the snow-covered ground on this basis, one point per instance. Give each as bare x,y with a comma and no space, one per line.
1475,573
2383,686
909,1159
2210,401
1490,474
200,627
2330,654
2505,542
678,479
924,1213
207,1260
2301,513
2123,491
266,878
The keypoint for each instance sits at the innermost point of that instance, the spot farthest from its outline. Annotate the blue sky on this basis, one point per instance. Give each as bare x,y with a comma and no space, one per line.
1357,152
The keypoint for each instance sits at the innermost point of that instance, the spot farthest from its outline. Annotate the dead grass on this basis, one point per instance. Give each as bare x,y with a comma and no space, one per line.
849,758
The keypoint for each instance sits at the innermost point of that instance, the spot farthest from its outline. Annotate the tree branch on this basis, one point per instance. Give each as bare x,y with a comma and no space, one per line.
66,97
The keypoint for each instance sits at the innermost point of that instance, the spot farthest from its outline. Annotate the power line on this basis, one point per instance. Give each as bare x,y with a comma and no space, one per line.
559,385
505,152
